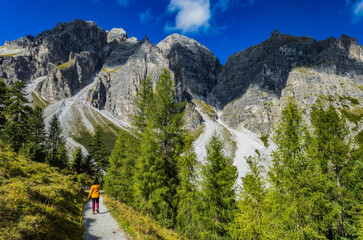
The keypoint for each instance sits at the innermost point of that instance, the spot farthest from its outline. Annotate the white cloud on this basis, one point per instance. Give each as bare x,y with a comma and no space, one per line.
145,16
192,15
357,11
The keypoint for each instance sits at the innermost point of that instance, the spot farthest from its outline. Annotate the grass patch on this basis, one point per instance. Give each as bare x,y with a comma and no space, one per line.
353,115
66,64
352,100
328,98
305,69
360,87
36,201
207,109
264,139
110,70
359,138
196,133
137,224
8,55
40,102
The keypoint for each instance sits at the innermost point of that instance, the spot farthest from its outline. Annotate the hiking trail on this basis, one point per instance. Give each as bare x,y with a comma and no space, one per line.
101,225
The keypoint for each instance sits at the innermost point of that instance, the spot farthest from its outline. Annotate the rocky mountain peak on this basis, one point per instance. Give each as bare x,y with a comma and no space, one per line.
116,34
177,39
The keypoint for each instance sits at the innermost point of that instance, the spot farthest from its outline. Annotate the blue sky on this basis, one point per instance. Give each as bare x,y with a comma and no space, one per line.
224,26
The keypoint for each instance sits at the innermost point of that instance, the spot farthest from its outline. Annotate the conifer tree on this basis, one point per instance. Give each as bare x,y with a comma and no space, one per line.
34,147
62,157
4,95
36,127
33,151
218,192
143,104
54,142
98,150
251,221
296,182
119,180
187,193
16,130
162,138
77,162
336,160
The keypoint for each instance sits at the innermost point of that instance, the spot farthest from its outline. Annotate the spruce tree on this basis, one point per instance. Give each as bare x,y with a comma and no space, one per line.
36,127
187,193
297,184
119,180
34,148
218,192
336,160
4,95
62,156
143,103
162,138
16,130
251,221
33,151
98,150
54,142
77,161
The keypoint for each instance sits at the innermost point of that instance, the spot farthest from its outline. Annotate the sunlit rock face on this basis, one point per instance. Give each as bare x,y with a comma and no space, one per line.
103,69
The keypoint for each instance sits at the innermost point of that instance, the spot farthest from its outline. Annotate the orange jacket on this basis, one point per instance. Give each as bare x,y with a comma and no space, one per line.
94,192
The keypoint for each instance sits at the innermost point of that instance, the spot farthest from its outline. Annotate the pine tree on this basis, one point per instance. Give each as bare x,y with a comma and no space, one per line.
119,180
34,148
62,156
218,192
143,103
37,127
336,160
54,142
77,162
251,221
4,95
16,130
98,150
162,138
297,184
187,193
33,151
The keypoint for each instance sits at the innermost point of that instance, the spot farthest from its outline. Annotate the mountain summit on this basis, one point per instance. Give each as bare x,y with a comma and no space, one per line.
89,77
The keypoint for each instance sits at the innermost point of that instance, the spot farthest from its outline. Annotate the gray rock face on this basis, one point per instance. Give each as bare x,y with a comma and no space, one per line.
266,65
116,34
38,56
116,84
195,67
248,91
251,86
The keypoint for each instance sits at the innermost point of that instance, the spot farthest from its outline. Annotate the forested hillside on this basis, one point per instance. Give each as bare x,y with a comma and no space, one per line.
312,190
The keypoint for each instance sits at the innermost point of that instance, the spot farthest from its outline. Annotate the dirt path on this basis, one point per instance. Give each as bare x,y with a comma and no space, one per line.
101,225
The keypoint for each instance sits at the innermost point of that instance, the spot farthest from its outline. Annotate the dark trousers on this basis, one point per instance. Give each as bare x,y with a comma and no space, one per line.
97,201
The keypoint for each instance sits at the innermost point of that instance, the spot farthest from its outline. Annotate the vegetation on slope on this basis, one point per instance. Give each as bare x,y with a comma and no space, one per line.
137,224
109,135
66,64
36,201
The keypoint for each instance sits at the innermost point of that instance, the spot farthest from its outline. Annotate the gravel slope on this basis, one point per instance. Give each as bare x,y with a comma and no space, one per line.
101,225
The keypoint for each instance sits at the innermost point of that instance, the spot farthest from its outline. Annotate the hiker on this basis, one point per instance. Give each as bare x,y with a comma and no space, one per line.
94,193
